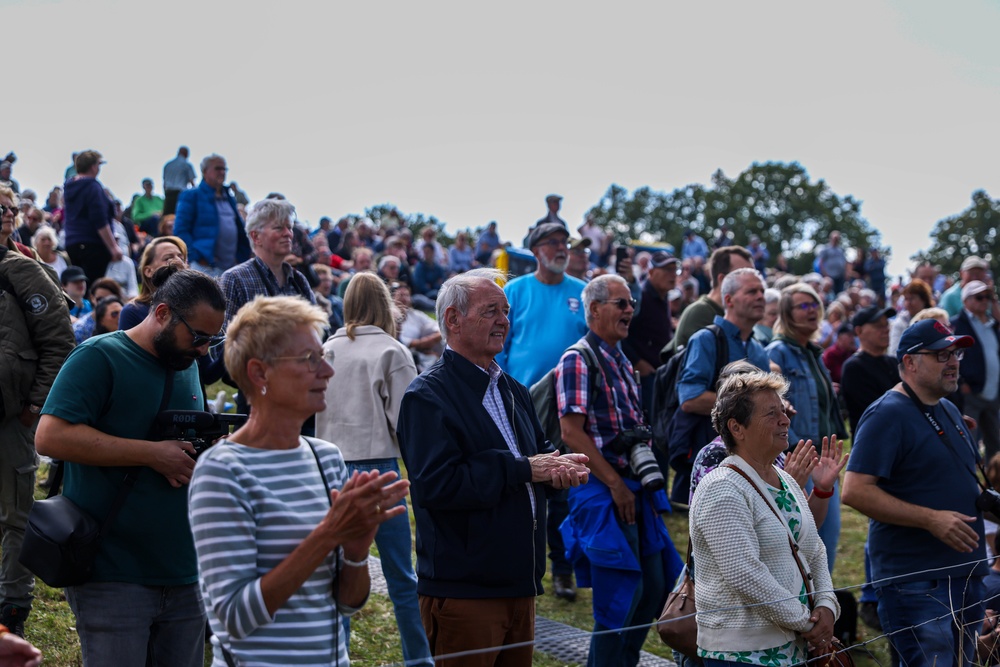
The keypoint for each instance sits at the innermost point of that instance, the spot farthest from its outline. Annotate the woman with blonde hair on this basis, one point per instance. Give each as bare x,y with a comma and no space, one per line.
810,389
161,251
371,373
281,528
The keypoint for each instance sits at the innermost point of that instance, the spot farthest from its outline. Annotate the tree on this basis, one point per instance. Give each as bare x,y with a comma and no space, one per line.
775,201
974,231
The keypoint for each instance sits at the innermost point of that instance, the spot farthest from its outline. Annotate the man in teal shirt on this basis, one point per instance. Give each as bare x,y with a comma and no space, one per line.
143,598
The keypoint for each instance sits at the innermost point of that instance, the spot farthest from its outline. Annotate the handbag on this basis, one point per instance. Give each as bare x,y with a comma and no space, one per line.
61,539
677,624
833,654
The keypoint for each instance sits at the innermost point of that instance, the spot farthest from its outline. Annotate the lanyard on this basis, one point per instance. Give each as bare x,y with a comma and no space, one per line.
926,411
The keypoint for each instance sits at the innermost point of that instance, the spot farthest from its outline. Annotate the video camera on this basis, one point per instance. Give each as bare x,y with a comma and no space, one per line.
199,428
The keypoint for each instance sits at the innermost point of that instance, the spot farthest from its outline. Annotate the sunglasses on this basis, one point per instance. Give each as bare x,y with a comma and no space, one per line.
982,297
199,338
622,304
807,306
4,210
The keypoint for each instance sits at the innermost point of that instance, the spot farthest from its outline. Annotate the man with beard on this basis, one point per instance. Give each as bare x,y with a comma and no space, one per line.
143,599
546,316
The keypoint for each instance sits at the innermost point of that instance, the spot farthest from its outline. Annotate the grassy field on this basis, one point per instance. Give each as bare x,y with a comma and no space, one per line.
374,639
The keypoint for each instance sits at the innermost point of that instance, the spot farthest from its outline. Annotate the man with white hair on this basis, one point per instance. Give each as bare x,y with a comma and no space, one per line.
479,468
209,222
980,369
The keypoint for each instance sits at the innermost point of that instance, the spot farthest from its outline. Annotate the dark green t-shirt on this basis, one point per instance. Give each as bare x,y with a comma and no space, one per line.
115,386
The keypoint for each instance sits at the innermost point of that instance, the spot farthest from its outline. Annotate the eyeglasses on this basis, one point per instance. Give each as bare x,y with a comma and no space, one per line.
199,338
982,297
807,306
4,210
622,304
312,360
944,356
554,243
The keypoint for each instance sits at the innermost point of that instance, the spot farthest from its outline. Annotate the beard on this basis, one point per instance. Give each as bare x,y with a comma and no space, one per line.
554,265
169,354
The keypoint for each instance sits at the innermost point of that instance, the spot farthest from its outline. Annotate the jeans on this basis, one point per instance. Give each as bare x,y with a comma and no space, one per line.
18,463
829,532
918,617
622,649
135,625
868,591
393,540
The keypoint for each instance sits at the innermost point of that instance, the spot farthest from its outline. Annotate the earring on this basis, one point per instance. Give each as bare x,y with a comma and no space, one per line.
263,390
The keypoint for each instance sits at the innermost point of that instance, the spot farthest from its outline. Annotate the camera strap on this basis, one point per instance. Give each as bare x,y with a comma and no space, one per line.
927,412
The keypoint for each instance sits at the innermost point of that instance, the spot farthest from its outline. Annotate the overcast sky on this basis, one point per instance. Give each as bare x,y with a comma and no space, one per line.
474,112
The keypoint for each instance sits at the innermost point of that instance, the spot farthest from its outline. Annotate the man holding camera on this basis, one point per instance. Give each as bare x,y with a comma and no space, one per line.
617,512
913,471
143,599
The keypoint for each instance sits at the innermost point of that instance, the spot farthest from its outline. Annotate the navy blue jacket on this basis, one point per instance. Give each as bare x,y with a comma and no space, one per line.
197,224
476,537
88,208
973,367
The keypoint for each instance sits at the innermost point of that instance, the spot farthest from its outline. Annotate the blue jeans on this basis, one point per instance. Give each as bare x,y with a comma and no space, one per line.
868,591
917,616
132,624
394,547
829,532
622,649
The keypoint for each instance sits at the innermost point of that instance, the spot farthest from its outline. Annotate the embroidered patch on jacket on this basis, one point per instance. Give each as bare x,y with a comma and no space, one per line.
37,304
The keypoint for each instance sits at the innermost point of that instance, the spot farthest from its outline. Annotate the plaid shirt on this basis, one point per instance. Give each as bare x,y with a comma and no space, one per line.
244,282
617,407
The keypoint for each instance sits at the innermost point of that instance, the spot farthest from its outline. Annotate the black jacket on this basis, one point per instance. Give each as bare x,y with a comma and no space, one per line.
973,368
476,537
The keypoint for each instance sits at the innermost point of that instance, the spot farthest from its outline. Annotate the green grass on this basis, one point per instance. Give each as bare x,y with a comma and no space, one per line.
374,638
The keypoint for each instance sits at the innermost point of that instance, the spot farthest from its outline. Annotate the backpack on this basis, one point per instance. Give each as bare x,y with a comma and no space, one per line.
543,394
665,402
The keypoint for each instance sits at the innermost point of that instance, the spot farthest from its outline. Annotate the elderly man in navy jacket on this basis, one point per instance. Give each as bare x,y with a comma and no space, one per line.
980,369
209,223
479,469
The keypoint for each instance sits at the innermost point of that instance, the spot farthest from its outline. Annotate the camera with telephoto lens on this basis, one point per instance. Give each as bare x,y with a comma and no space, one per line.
199,428
989,501
634,443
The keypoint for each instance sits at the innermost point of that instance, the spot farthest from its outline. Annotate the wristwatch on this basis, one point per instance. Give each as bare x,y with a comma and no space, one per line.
34,409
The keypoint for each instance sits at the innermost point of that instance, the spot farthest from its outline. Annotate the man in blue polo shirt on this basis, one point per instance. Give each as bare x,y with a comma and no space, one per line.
913,472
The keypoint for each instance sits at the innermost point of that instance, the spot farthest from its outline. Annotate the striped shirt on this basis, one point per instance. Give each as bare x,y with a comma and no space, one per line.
249,509
493,403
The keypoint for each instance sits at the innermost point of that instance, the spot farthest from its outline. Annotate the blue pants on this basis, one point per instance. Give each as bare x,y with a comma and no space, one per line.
131,624
394,548
622,649
829,532
918,617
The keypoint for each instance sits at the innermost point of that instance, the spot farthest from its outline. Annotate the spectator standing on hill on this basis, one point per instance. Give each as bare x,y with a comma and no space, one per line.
833,262
553,202
428,275
178,176
912,472
980,369
652,326
478,481
760,255
147,208
694,246
703,312
460,255
90,239
209,222
488,241
875,270
546,301
6,179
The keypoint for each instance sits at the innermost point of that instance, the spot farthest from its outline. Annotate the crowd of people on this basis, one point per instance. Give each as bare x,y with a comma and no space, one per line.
357,344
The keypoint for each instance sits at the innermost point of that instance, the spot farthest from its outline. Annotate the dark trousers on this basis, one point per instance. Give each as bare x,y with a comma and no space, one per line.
93,258
170,201
558,509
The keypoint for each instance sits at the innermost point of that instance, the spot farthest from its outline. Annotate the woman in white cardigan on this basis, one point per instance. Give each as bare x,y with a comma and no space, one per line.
751,601
371,372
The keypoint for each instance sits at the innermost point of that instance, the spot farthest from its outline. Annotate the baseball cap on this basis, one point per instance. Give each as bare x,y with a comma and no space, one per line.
661,258
576,244
972,288
974,262
870,314
543,231
553,198
72,274
929,335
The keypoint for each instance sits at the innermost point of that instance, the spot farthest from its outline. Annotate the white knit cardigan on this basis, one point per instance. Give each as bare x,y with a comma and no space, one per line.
744,567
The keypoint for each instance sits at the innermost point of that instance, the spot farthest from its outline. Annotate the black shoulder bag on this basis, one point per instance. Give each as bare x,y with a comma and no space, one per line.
61,540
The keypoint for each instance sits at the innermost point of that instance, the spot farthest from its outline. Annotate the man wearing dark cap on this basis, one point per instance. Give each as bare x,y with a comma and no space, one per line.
980,370
74,282
553,202
546,317
870,372
652,327
913,472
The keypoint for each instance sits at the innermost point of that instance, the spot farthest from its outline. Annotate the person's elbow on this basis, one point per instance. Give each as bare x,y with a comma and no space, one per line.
854,491
689,405
47,439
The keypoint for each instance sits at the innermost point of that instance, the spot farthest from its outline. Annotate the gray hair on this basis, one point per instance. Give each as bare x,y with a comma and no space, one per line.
772,295
599,289
269,210
735,400
731,283
456,291
214,157
45,231
388,259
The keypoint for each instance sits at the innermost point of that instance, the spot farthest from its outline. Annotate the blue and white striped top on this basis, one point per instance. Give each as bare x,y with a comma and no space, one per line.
249,509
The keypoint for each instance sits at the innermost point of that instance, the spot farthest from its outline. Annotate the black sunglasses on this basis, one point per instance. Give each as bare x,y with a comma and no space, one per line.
199,338
4,210
621,303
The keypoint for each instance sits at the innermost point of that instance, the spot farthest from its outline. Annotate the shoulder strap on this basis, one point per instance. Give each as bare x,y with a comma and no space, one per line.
806,576
326,485
721,353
